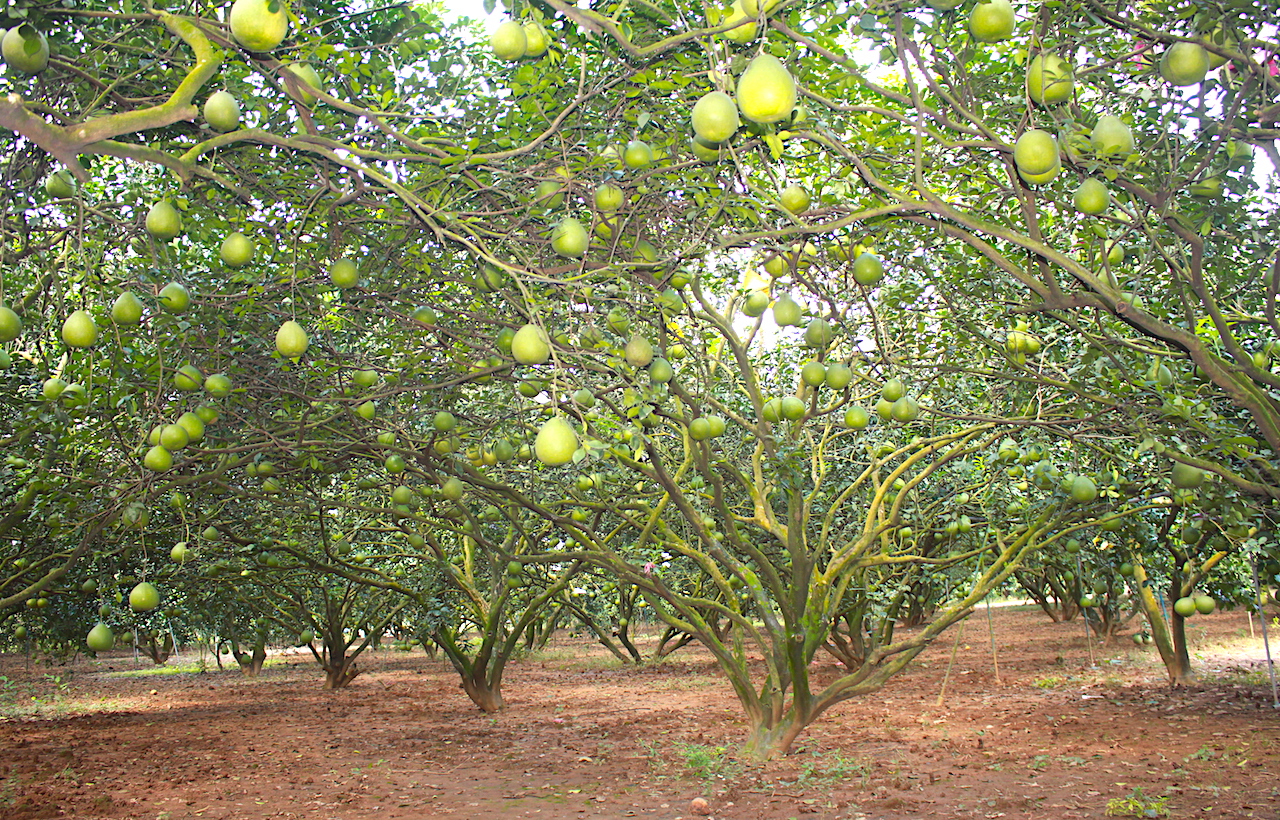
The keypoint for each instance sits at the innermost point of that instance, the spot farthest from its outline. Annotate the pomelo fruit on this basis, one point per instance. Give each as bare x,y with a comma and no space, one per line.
236,250
766,91
1050,79
715,117
259,25
786,311
795,199
1111,138
991,21
1035,152
530,345
10,324
509,41
126,309
100,638
163,221
867,269
555,443
1092,197
60,184
569,238
25,49
291,340
1184,64
343,273
175,298
222,111
79,330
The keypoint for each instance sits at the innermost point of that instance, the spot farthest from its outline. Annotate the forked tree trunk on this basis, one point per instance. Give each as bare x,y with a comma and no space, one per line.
250,662
1171,643
337,675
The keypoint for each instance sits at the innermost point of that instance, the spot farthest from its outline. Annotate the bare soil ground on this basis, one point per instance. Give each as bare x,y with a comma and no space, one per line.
1061,733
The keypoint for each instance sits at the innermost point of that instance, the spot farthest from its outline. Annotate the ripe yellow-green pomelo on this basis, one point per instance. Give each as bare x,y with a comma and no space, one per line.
1184,64
715,117
1083,490
126,309
193,425
795,199
174,437
1221,38
839,376
555,443
1186,607
237,250
756,303
638,352
343,273
535,38
818,334
509,41
52,388
308,81
1205,604
660,371
1035,152
1209,187
638,155
60,184
893,390
163,221
705,151
291,340
188,378
744,26
1050,79
144,597
904,410
1111,138
259,25
867,269
175,298
991,21
158,459
856,418
218,385
100,638
444,422
1092,197
786,311
753,7
530,345
813,374
569,238
608,198
791,408
1041,179
25,49
10,324
79,330
772,410
1186,476
222,111
700,429
766,91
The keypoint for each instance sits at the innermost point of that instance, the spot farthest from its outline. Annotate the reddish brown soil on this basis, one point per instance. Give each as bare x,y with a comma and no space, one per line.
582,737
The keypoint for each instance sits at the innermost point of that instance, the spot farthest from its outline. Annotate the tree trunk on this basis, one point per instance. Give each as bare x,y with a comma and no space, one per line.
1176,661
338,675
488,698
250,663
768,739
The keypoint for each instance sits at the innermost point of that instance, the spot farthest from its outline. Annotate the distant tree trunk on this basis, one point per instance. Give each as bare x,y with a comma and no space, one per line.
672,639
158,652
250,662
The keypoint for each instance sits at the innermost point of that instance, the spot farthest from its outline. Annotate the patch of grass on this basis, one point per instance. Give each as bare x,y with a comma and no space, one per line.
707,762
1137,804
829,770
1049,682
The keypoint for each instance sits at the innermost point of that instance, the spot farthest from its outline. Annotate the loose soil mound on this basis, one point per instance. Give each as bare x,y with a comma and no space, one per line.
1060,733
